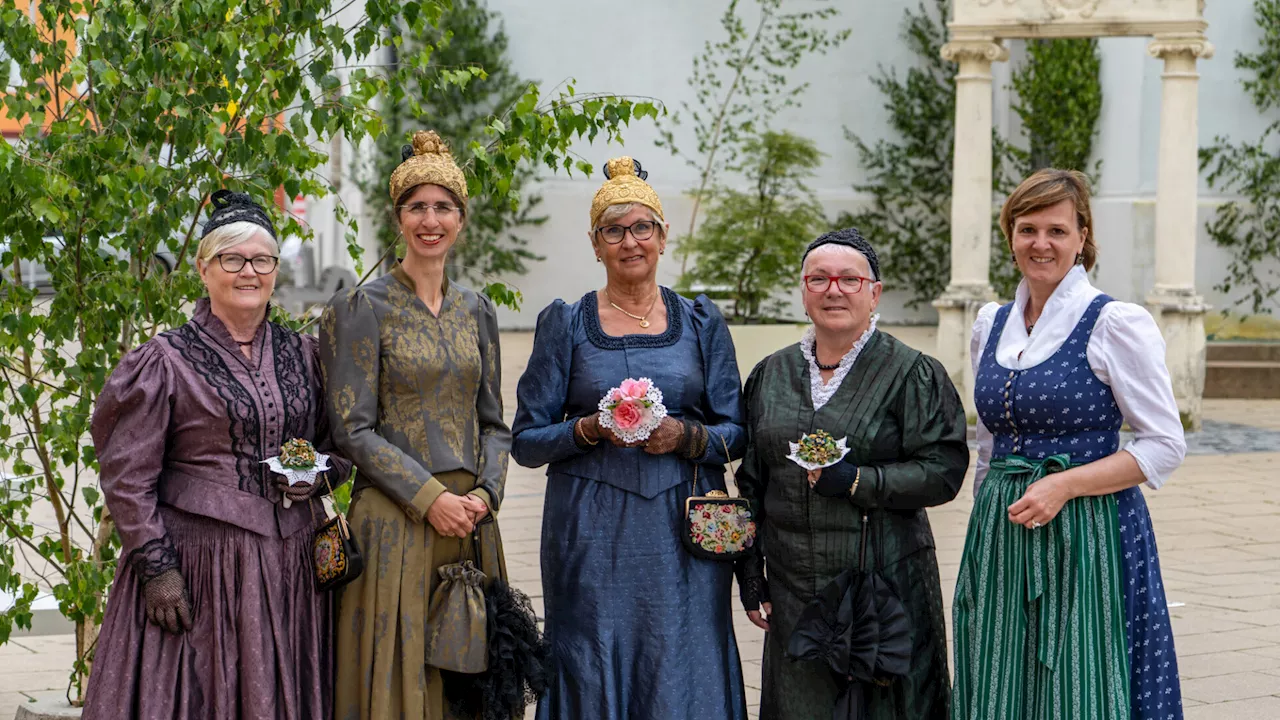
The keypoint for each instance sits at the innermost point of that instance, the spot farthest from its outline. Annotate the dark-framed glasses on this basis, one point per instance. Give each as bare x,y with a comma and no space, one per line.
848,284
262,264
420,209
640,230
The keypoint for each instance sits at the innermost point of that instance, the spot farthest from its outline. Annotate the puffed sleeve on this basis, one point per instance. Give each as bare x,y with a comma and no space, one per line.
752,477
934,455
722,400
350,347
1127,353
977,345
495,436
541,432
130,430
339,466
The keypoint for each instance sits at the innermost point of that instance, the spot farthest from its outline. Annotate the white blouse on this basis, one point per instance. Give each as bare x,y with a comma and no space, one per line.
821,392
1126,352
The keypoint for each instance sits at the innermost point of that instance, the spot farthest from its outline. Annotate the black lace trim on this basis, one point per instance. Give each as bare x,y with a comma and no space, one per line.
597,336
153,559
245,426
695,444
293,380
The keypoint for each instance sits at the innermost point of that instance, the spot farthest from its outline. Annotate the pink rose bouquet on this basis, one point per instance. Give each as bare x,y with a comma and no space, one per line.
632,410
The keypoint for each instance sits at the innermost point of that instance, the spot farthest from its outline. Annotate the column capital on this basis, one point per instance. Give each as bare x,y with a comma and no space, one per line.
1196,45
986,49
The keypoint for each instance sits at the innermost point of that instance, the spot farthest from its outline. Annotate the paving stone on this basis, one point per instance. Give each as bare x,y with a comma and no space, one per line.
1263,708
1238,686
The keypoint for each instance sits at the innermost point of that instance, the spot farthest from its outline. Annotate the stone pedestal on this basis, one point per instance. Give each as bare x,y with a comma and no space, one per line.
957,309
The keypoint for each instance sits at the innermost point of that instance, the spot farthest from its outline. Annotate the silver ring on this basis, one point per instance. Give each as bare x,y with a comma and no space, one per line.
1035,524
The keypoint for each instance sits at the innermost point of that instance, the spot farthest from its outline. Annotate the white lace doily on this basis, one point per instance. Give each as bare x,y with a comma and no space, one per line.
819,391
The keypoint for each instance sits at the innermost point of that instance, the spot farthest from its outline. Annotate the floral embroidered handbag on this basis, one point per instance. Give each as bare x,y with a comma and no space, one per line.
716,526
334,551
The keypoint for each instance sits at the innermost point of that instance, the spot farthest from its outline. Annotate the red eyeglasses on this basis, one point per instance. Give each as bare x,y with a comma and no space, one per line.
848,284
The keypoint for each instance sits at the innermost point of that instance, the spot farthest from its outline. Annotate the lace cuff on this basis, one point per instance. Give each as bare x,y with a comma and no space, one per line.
154,559
695,440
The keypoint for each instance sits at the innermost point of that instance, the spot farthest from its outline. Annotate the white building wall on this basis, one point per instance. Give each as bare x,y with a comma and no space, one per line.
648,49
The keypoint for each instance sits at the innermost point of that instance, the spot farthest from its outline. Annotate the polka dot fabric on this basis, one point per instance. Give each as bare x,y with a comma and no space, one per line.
1060,406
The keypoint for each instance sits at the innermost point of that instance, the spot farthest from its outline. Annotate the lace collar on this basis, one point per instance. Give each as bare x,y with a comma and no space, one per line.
819,391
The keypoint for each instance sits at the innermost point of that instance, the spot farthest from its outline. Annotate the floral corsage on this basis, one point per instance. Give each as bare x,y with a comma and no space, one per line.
632,410
299,462
818,450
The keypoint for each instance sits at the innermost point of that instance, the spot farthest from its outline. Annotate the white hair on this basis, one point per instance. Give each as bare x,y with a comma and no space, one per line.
834,248
229,236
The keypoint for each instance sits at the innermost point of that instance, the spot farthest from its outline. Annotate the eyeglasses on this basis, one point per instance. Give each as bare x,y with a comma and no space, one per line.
262,264
613,234
848,284
420,209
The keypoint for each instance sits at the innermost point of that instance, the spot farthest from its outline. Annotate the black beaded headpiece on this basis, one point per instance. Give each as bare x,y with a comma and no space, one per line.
230,207
849,237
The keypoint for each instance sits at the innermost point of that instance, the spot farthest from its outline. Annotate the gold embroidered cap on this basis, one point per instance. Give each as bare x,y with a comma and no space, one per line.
428,161
625,184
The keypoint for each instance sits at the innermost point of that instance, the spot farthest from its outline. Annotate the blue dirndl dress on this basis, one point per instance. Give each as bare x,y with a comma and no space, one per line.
1043,419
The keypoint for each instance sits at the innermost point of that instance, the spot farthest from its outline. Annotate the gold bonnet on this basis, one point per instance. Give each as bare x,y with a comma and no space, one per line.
431,163
625,184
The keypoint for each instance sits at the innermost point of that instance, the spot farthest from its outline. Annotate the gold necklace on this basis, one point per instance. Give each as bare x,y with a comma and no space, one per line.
644,319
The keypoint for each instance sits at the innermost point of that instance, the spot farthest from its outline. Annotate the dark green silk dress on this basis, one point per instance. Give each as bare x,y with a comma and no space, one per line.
902,414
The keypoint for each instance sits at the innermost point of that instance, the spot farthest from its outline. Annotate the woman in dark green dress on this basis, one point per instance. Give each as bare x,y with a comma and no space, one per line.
907,452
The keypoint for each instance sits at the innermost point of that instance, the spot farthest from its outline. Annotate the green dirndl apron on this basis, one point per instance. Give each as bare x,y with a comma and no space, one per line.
1039,614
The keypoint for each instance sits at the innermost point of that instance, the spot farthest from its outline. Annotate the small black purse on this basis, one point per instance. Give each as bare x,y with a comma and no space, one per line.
716,526
334,551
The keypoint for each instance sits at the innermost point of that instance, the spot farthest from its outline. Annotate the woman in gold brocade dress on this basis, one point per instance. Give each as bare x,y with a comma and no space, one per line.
413,376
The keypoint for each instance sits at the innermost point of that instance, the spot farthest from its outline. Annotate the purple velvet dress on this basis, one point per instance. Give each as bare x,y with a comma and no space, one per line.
181,429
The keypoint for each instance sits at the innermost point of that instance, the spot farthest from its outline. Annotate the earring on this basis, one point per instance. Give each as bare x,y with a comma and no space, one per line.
597,258
1079,258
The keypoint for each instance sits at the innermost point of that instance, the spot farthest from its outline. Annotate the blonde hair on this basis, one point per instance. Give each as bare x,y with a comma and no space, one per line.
1047,188
229,236
612,214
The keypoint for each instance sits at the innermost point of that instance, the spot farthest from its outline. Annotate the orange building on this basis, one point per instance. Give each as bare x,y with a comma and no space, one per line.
11,127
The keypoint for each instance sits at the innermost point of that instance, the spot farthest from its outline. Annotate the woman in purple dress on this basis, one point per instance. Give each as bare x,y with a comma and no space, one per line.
214,611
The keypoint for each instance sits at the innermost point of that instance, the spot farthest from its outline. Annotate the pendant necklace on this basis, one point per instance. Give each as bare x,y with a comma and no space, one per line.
644,319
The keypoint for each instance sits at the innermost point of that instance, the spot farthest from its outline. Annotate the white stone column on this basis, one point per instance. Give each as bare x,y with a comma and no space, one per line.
1173,301
970,286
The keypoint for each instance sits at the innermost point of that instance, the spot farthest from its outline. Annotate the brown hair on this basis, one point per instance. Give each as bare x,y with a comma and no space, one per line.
1046,188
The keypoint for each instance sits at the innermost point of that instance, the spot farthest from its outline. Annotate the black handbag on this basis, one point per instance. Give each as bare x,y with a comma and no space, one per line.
716,526
334,551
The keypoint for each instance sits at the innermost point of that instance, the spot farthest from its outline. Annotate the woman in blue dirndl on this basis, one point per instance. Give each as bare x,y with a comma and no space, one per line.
1060,611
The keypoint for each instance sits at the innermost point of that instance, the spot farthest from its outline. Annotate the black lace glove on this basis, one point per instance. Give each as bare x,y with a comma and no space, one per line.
836,480
753,591
167,601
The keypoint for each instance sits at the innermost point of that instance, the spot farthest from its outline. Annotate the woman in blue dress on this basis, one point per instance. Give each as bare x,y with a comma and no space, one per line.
639,627
1060,611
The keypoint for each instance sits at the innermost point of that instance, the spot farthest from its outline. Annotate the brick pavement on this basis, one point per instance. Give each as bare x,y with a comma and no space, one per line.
1217,523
